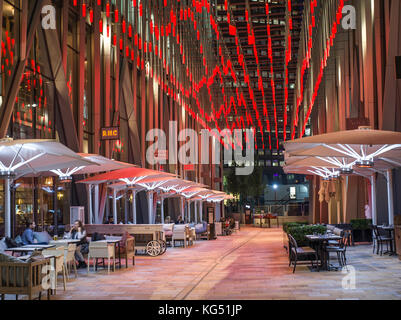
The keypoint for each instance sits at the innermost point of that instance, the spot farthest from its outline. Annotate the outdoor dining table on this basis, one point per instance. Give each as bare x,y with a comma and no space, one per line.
390,230
319,242
65,241
31,248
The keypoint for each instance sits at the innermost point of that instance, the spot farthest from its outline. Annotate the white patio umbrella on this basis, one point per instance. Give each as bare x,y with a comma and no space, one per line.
99,164
374,150
22,157
151,185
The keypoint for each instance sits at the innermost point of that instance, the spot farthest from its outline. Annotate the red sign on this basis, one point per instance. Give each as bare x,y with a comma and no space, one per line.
189,167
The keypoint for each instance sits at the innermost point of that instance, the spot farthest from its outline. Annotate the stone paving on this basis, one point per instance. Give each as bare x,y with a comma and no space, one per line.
251,264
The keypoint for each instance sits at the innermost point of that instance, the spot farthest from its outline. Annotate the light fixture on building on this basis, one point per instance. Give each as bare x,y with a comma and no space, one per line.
60,196
365,164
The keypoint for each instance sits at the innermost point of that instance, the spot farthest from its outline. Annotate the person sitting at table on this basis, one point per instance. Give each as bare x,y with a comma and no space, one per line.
28,235
78,232
179,220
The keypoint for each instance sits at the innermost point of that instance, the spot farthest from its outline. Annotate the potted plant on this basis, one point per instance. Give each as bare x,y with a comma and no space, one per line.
362,230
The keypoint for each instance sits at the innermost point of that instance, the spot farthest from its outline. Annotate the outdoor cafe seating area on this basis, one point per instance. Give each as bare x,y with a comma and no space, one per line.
103,245
324,247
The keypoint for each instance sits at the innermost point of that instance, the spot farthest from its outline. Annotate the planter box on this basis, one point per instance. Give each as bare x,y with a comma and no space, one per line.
362,235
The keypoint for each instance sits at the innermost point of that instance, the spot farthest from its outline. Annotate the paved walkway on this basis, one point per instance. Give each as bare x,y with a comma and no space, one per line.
251,264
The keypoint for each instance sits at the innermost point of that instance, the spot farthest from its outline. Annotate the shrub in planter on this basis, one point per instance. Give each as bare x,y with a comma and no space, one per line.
361,230
300,232
287,225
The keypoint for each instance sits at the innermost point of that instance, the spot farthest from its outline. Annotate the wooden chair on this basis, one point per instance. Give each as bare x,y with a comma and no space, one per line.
181,233
297,252
57,262
128,251
30,281
69,259
102,250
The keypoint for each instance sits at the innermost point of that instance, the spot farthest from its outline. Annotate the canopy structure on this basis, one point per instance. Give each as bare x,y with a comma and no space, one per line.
151,185
22,157
363,152
100,164
130,176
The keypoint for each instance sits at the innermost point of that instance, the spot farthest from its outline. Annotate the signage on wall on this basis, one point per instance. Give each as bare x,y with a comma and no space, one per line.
112,133
189,167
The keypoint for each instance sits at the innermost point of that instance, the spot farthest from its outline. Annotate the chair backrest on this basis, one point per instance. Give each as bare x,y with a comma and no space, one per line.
338,232
330,227
69,252
293,242
58,253
376,231
130,245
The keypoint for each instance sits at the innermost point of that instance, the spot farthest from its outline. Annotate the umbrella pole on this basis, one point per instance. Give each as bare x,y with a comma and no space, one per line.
162,209
96,200
200,211
115,206
390,196
189,211
7,207
150,206
133,207
90,204
373,189
196,211
182,209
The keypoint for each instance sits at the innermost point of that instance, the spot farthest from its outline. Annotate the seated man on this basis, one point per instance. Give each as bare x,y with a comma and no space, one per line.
27,236
179,220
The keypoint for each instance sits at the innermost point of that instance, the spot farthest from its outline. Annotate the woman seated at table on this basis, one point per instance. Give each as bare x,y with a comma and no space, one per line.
78,232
